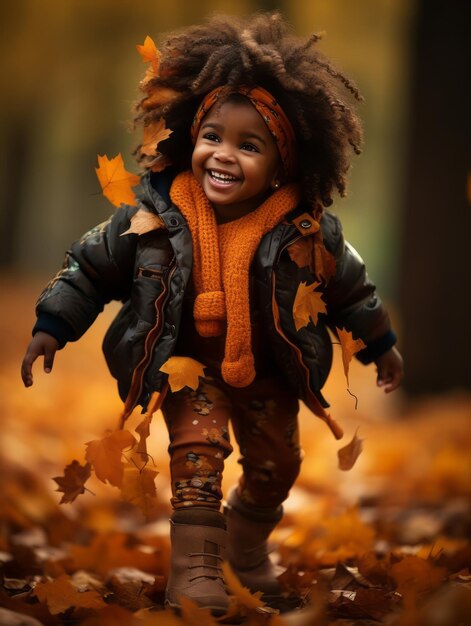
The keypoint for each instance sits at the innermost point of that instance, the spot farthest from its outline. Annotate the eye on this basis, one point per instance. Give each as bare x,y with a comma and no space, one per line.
211,137
249,147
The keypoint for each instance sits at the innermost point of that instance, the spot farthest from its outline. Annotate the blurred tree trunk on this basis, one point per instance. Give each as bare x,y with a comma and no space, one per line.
436,226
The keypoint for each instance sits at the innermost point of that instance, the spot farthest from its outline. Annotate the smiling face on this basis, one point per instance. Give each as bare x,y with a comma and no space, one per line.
235,159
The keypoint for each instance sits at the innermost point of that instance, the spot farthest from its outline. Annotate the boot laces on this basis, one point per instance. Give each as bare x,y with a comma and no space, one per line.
217,568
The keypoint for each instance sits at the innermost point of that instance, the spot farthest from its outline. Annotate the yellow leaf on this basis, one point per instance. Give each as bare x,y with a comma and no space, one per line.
143,222
105,455
138,488
115,181
182,372
350,347
349,454
60,595
150,54
243,595
154,133
308,304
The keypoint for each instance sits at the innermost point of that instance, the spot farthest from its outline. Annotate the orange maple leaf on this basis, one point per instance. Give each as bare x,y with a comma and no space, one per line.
60,595
138,488
414,574
115,181
73,481
349,346
244,597
154,133
348,455
183,371
143,222
301,252
150,54
308,304
105,455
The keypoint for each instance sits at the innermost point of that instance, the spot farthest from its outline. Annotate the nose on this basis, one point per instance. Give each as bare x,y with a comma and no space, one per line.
224,154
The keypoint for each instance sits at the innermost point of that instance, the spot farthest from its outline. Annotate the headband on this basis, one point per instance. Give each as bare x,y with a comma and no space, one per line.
270,111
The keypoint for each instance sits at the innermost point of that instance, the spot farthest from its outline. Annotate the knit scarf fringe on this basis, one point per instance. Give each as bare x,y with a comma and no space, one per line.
222,256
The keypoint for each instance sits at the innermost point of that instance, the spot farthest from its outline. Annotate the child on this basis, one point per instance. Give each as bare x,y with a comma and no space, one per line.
261,140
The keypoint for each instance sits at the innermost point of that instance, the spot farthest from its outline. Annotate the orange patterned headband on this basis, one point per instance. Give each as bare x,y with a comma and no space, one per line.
271,112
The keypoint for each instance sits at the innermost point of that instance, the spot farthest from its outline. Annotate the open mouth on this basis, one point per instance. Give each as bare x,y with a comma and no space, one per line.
221,178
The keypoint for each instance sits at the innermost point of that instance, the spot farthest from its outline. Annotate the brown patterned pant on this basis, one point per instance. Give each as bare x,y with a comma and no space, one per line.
264,420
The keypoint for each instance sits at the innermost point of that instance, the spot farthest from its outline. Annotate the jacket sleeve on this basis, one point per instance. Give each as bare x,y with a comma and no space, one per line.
98,268
351,298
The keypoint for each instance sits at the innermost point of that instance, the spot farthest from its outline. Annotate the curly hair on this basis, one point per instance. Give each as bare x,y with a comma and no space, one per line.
259,50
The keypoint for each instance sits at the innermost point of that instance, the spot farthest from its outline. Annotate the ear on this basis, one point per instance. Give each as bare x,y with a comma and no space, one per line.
277,179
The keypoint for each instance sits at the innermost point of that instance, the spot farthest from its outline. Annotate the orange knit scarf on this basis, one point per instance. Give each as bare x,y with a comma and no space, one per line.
221,260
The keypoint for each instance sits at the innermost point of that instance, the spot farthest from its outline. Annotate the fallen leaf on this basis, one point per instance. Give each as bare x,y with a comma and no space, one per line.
349,346
105,455
149,53
138,488
143,222
109,551
112,615
115,181
182,372
129,594
73,481
417,575
60,595
349,454
308,305
244,597
194,615
154,133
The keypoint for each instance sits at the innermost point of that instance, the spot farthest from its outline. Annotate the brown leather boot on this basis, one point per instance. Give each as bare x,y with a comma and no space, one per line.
198,539
248,529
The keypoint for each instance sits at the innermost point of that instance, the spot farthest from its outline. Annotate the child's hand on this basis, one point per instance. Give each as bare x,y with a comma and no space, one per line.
41,344
390,370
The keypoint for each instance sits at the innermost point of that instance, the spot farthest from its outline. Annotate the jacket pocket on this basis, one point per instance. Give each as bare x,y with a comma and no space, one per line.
123,344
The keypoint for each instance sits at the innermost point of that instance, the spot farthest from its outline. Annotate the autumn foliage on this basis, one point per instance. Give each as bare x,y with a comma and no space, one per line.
384,543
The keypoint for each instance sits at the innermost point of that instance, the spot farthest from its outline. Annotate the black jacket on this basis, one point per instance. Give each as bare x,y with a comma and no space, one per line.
150,273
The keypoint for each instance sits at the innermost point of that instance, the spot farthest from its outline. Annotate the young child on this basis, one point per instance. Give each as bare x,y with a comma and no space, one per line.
261,140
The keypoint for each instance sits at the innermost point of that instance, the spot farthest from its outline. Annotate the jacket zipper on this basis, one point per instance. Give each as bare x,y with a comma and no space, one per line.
314,404
153,336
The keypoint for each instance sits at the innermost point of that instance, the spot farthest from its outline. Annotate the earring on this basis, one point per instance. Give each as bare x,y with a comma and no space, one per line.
276,184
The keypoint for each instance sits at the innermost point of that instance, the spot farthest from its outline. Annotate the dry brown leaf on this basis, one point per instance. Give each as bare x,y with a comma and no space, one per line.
182,372
138,488
150,54
308,305
60,595
349,454
143,222
105,455
349,346
115,181
143,430
154,133
73,481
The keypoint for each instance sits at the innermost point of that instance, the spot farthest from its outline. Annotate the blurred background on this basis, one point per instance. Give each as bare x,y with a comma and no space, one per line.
69,72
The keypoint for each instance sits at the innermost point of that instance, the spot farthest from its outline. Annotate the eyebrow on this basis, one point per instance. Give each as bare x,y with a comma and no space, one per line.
220,127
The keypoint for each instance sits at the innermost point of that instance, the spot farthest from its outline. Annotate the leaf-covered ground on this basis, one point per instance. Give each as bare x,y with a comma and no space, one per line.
385,543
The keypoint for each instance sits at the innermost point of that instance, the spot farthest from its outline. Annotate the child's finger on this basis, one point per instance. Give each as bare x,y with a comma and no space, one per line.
49,360
27,368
